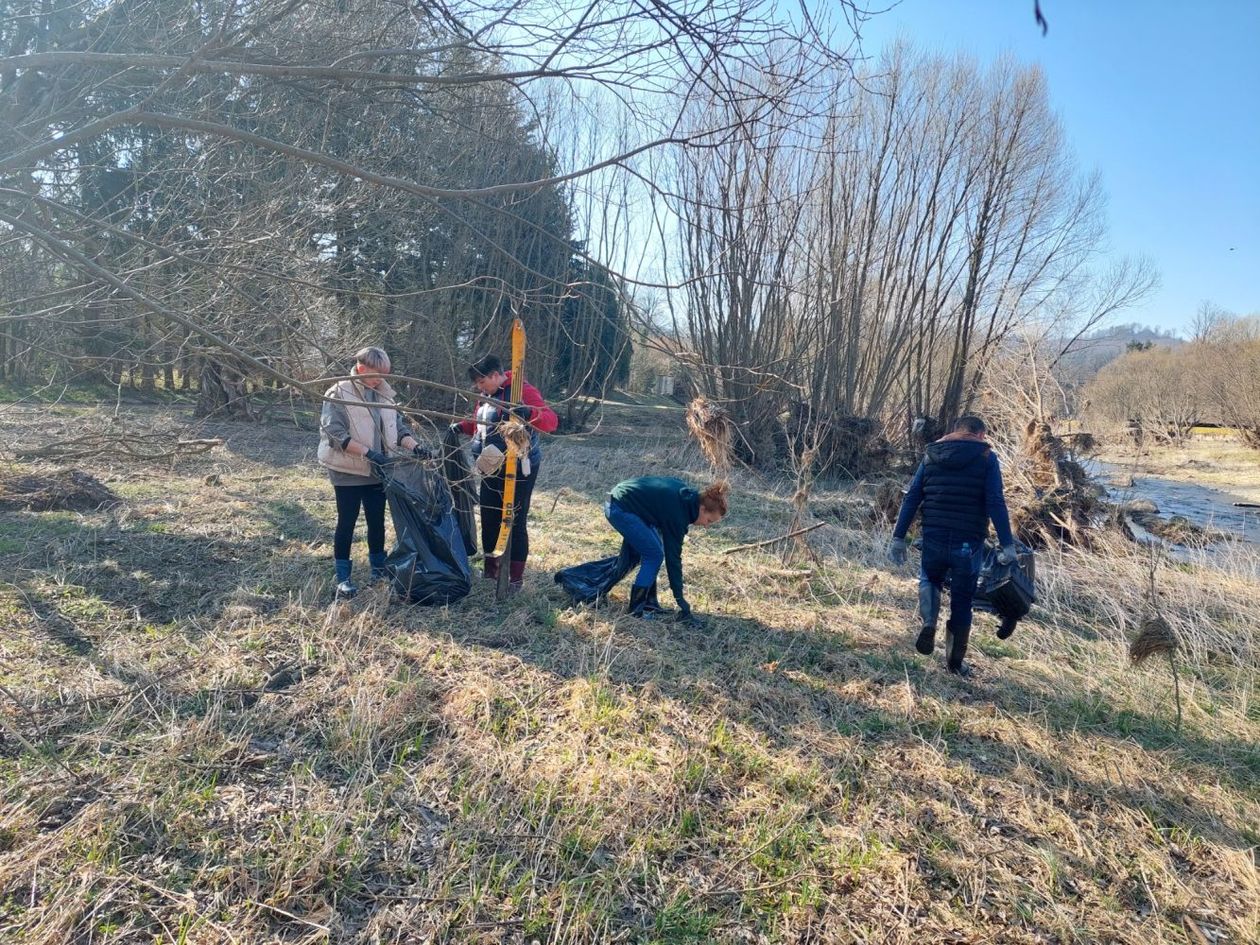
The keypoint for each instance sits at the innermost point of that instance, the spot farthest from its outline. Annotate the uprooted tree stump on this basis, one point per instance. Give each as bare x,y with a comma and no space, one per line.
1049,493
61,490
714,431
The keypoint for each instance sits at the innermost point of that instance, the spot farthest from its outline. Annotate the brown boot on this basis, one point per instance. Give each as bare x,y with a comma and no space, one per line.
491,568
516,577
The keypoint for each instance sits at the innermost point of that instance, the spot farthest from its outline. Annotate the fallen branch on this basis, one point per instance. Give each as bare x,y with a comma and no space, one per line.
1193,930
149,447
771,541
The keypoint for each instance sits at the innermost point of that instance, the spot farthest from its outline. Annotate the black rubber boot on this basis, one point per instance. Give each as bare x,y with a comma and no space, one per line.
1006,628
929,608
652,604
956,650
925,643
638,602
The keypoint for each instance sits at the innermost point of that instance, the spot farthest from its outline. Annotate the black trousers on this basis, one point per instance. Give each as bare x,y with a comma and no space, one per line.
349,499
492,512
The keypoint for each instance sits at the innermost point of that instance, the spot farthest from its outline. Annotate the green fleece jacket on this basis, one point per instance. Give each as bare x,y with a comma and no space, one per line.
667,504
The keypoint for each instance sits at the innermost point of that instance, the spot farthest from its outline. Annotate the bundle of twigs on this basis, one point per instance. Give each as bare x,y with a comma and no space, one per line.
1156,635
516,433
714,430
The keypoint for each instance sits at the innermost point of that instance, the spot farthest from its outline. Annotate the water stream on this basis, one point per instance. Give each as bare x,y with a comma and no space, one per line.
1209,508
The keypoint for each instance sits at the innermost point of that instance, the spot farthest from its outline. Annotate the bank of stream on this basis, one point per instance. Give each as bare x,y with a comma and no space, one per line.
1215,511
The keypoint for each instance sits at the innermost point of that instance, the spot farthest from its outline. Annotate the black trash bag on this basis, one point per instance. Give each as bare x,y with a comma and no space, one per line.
589,583
429,564
460,480
1008,590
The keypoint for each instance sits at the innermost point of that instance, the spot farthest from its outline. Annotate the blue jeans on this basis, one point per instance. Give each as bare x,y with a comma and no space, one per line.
642,537
959,560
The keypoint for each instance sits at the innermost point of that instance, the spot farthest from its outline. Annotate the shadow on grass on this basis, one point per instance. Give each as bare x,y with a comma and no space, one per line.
785,682
145,567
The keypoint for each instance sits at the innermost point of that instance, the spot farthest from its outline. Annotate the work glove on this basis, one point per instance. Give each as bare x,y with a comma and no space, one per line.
1007,554
897,550
378,459
420,451
689,618
490,460
523,412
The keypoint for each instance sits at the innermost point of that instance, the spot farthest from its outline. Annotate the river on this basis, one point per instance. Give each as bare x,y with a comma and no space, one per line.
1208,508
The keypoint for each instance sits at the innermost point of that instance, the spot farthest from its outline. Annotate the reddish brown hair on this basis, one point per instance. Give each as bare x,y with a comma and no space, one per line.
713,498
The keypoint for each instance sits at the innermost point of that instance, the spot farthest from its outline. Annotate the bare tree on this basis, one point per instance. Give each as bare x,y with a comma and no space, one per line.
871,261
293,177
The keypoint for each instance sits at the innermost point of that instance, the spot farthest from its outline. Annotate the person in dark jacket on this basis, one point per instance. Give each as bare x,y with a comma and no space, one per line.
653,514
490,380
958,488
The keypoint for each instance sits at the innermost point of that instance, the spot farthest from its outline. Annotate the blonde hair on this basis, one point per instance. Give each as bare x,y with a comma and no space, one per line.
373,357
713,497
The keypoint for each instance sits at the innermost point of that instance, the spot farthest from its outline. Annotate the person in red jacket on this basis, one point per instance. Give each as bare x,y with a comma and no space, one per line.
492,381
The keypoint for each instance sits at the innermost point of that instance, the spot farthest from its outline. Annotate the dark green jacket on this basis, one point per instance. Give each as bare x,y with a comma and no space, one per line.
667,504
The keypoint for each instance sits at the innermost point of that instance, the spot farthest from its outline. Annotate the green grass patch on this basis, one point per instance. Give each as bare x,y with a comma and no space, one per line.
684,921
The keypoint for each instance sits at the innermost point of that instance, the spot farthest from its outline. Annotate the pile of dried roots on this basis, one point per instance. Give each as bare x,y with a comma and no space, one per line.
61,490
714,432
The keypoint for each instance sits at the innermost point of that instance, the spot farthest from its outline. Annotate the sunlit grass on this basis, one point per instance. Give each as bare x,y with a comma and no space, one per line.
214,751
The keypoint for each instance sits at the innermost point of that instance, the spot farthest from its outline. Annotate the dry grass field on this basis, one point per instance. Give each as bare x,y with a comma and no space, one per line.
198,748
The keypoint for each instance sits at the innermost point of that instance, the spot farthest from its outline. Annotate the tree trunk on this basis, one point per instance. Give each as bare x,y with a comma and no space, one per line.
223,393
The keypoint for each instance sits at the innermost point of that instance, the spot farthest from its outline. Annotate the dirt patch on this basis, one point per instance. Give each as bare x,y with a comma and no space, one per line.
62,490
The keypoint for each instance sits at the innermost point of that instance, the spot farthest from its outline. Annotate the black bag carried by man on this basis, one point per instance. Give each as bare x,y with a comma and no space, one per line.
429,564
1008,590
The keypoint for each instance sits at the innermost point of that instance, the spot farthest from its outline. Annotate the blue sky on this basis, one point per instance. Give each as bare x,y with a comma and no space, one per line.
1163,98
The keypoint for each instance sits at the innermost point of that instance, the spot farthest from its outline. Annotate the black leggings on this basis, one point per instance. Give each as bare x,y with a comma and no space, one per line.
492,512
349,498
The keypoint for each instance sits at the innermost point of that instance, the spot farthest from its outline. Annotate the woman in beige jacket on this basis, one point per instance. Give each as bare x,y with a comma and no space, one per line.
360,432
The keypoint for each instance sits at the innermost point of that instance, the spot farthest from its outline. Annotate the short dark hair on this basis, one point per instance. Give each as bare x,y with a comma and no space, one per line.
969,424
484,366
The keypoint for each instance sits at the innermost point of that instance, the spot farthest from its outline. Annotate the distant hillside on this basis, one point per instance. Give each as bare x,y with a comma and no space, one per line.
1094,351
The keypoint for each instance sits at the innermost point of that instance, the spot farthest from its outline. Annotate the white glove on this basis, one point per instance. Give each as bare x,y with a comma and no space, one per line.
490,460
1007,554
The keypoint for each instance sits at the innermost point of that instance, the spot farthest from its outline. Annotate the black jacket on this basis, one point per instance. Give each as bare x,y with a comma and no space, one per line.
959,488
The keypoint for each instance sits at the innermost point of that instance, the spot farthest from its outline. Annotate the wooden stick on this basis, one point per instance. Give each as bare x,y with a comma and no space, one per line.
1195,933
771,541
1172,661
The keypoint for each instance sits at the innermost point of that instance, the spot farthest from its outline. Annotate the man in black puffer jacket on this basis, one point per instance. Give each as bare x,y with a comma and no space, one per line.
958,486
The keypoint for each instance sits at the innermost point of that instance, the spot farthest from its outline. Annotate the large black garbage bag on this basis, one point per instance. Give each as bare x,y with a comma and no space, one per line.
428,564
460,480
1008,590
590,582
